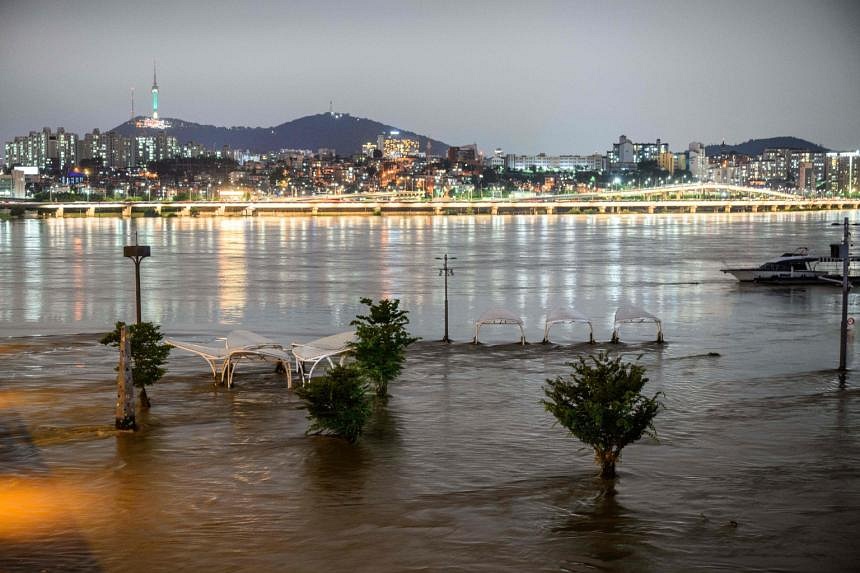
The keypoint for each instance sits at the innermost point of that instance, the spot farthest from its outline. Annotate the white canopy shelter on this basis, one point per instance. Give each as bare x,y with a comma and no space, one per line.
314,352
239,345
635,315
499,316
213,355
247,345
564,316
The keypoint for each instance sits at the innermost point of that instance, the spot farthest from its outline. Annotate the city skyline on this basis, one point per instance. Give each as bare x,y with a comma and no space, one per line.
544,77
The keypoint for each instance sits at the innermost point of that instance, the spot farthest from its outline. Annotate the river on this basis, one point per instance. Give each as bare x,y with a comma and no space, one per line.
755,466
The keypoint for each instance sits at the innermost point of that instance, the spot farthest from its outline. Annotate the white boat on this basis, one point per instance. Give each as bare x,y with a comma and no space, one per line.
799,267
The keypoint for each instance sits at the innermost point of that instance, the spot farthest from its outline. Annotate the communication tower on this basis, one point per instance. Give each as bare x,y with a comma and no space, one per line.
154,93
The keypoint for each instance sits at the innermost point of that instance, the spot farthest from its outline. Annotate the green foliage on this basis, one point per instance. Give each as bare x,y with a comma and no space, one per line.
147,352
380,348
600,403
338,403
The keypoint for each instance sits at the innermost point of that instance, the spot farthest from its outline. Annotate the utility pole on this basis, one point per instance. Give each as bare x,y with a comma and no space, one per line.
843,338
446,271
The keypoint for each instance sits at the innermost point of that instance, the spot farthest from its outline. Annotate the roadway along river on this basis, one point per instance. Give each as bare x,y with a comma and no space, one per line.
756,467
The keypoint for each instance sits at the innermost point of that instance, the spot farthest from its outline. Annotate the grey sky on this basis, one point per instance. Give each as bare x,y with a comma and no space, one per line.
527,76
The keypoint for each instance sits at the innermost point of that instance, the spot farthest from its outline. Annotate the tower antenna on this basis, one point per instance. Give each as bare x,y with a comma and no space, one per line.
132,104
154,93
330,107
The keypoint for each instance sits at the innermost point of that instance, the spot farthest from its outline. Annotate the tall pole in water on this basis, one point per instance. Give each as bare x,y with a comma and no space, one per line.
843,338
446,271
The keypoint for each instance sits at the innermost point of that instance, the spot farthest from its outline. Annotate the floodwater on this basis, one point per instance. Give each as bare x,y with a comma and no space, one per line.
756,466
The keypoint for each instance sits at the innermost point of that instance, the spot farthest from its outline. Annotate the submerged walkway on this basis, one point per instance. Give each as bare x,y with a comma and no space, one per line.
37,529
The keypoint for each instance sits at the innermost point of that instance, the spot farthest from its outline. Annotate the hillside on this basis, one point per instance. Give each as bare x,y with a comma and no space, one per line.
757,146
342,132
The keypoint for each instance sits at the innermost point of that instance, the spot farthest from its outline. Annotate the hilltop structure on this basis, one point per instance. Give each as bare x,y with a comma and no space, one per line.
153,122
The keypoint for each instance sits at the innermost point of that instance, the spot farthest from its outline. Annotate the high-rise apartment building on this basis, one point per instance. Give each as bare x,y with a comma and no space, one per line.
149,148
806,169
666,161
626,154
649,151
43,149
92,147
697,161
622,155
119,150
843,172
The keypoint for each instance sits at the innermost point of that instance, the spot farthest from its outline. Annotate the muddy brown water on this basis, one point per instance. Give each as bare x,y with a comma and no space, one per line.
462,470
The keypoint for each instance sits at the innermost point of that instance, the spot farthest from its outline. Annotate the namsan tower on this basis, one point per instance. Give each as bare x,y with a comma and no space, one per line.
154,93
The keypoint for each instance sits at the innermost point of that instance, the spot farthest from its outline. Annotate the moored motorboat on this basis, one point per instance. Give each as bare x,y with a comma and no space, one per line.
799,267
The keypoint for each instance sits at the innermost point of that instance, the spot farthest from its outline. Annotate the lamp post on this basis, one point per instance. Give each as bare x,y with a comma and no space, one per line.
843,335
446,271
136,253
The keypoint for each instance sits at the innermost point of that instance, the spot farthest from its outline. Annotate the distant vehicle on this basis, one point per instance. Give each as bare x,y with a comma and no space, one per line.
799,268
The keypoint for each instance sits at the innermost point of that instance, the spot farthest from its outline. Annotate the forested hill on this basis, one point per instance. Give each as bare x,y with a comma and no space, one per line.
341,132
757,146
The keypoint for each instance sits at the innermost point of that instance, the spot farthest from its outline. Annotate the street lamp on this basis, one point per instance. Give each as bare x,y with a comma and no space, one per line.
446,271
846,286
136,253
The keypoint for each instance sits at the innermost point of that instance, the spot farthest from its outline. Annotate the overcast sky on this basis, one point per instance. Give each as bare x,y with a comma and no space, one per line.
527,76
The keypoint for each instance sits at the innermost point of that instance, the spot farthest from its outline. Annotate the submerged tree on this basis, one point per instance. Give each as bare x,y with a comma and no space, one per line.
600,403
338,403
147,352
381,341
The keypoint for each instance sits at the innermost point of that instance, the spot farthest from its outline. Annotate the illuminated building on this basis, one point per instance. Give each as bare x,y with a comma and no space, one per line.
149,148
20,175
92,148
775,162
843,172
6,185
626,154
544,162
119,150
806,169
368,148
649,151
697,161
497,161
622,155
395,146
666,161
43,149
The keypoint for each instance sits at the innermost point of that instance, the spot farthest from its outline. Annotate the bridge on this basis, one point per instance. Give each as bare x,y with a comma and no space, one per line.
693,191
669,199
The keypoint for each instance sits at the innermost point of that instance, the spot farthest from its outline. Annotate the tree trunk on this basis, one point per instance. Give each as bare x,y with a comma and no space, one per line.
381,388
607,460
124,386
607,469
144,399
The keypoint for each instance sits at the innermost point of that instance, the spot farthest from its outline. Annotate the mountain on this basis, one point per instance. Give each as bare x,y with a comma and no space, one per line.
757,146
339,131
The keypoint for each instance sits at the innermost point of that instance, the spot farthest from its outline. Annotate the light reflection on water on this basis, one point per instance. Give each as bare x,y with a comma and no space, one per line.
462,469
